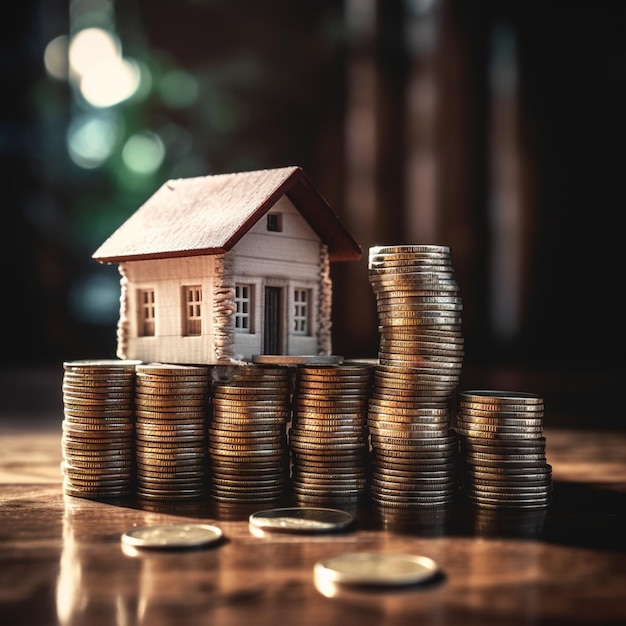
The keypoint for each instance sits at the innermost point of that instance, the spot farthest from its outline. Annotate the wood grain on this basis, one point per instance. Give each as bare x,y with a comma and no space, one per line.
61,559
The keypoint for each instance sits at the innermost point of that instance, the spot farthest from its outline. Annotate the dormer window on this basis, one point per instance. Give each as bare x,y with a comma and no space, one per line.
274,223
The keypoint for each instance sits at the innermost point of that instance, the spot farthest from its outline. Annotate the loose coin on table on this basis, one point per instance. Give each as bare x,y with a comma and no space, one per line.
380,569
300,520
173,536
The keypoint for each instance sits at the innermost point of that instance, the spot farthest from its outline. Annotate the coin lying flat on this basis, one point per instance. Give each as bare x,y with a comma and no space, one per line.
173,536
301,520
373,568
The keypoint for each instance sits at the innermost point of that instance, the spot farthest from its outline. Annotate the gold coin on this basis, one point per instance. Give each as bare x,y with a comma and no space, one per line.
331,389
486,445
170,414
229,391
314,414
276,404
305,359
337,404
356,429
166,369
506,421
498,427
164,389
235,422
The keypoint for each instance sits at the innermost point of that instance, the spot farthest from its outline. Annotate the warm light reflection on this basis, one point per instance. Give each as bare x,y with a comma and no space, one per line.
110,82
326,587
90,47
88,592
55,58
96,65
69,598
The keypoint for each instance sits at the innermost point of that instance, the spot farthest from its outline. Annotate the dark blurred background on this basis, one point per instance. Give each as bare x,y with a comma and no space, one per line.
495,127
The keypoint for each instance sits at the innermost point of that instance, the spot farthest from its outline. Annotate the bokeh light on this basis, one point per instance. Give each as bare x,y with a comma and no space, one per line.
89,47
110,82
55,57
104,77
94,298
143,153
91,139
178,89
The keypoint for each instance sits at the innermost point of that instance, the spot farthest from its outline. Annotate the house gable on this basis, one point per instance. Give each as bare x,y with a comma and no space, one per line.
209,215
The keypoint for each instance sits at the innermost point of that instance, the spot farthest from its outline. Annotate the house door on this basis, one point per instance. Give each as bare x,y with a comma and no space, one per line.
272,325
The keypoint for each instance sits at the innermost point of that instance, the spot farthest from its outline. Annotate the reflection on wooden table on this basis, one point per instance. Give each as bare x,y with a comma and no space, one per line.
62,561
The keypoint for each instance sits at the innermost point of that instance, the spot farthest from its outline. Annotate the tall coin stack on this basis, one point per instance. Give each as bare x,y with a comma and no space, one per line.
329,439
170,405
503,449
247,439
98,428
415,451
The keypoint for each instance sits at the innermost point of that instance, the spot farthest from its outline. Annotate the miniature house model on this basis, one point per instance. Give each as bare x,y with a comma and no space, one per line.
217,269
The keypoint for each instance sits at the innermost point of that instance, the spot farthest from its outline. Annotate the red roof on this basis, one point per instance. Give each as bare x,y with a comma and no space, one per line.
209,214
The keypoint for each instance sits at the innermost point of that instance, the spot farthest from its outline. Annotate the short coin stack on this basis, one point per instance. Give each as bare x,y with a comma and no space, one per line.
247,440
503,449
419,363
329,440
98,428
170,404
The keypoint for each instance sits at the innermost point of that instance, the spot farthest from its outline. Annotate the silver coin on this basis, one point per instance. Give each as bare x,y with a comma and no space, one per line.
301,520
173,536
373,568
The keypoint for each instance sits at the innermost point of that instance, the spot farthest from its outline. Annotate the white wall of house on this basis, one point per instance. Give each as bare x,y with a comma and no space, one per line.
289,259
168,278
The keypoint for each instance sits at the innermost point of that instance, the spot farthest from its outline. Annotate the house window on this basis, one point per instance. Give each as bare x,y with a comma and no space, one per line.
274,222
145,309
243,308
301,311
193,310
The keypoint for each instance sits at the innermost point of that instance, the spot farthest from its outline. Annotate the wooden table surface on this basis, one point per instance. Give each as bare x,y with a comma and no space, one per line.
62,562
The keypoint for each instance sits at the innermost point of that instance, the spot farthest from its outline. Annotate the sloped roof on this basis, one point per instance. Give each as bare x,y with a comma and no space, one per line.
209,214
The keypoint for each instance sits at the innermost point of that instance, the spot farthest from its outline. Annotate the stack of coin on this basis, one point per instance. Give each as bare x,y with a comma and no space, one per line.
247,451
170,405
414,470
98,428
419,364
329,439
503,449
419,311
